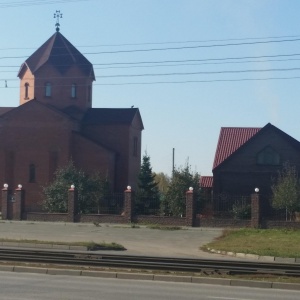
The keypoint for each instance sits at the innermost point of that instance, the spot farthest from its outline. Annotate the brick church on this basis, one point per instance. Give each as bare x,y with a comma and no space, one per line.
55,122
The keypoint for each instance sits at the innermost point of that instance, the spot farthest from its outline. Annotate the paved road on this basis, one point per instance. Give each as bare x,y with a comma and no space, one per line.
17,286
137,241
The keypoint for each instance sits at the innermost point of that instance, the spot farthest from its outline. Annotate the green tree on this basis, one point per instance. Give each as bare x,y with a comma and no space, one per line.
286,190
182,179
147,197
163,181
91,190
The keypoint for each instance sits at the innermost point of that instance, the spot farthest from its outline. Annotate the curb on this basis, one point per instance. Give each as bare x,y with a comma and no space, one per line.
153,277
283,260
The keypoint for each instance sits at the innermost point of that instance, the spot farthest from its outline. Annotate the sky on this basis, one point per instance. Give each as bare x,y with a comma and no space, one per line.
190,66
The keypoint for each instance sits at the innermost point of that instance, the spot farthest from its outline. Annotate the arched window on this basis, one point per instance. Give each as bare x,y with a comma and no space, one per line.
26,90
135,146
268,156
89,93
32,173
48,89
74,90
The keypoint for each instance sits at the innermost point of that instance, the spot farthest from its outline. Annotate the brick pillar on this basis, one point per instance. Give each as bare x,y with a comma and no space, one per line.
128,204
190,207
255,211
18,203
4,202
72,204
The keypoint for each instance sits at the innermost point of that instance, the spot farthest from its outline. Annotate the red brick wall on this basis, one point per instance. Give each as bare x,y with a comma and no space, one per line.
119,138
61,87
93,158
30,132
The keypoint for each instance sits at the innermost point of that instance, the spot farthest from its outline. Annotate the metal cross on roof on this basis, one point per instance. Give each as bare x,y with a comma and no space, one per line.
58,16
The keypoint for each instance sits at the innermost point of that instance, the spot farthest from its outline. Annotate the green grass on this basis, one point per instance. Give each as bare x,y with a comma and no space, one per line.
264,242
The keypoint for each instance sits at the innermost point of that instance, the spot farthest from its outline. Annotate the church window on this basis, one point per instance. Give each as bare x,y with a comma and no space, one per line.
89,93
73,90
135,146
26,90
32,173
48,89
268,156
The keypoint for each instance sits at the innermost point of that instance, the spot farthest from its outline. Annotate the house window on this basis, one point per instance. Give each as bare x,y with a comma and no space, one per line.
135,146
73,90
32,173
268,156
26,90
48,89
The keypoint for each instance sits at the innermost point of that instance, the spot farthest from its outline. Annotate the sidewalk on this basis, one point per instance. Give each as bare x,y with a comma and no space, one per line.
137,241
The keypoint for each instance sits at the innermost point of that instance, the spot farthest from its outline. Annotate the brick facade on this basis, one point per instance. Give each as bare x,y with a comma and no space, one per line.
47,131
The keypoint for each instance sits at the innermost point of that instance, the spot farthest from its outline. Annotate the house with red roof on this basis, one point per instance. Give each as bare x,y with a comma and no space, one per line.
249,158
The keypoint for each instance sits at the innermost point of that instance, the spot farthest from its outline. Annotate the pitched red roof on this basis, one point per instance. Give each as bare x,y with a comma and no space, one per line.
230,139
206,181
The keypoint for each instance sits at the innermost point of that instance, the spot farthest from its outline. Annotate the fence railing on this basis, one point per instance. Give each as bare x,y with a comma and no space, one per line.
225,206
109,204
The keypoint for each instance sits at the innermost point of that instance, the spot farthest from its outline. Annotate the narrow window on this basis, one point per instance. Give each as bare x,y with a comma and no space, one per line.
48,89
73,90
135,146
89,93
26,90
31,173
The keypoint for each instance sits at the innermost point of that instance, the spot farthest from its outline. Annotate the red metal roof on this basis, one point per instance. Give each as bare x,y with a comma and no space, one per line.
206,181
230,139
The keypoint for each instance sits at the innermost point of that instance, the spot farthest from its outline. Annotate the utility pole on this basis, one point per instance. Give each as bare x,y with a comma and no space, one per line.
173,162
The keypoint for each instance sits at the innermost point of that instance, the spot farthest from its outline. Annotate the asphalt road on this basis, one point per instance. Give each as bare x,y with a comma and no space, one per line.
137,241
20,286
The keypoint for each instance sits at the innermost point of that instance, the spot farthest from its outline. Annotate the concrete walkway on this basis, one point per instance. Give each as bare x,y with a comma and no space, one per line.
137,241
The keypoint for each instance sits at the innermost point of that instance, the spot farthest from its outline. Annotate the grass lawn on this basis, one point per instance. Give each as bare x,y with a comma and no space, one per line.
265,242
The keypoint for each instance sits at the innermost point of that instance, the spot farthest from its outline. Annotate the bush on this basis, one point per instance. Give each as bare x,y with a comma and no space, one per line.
241,211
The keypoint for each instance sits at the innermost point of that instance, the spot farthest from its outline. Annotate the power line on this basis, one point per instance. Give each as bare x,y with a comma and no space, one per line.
197,64
35,2
171,48
200,81
174,74
199,60
165,43
182,61
193,47
203,72
181,82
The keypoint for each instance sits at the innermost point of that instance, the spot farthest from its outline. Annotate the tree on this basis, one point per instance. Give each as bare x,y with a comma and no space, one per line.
286,190
91,190
147,195
182,179
163,181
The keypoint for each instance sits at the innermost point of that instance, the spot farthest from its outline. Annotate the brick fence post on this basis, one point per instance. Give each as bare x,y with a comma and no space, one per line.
18,204
255,211
72,203
4,201
128,204
190,207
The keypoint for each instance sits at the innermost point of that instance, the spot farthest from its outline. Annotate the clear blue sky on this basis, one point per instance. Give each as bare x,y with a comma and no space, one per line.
180,114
